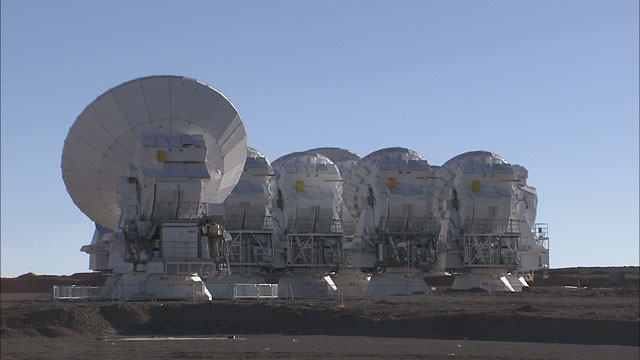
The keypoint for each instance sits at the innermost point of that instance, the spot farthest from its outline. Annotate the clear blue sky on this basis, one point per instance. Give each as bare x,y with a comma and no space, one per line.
551,85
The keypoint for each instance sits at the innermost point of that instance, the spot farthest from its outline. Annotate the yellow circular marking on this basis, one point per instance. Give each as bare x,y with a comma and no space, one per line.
475,185
391,183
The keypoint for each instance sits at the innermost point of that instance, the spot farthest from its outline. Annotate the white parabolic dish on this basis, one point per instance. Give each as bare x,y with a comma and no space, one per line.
102,142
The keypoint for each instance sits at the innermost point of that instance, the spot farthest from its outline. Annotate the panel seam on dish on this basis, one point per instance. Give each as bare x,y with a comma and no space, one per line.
120,108
108,132
193,102
170,108
146,105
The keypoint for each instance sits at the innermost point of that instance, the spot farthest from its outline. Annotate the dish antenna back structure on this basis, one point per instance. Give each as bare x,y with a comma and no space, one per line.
389,193
345,160
486,213
308,200
151,160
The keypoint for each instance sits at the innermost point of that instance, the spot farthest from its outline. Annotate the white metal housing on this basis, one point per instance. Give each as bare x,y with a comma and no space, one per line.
486,213
345,160
150,162
101,144
308,202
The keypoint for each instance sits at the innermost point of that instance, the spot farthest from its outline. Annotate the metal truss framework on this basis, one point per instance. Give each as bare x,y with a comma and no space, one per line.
407,249
491,250
251,248
314,249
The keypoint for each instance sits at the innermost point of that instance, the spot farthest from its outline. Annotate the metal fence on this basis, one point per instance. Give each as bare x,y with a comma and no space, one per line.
155,291
351,291
194,292
221,291
135,292
71,292
255,291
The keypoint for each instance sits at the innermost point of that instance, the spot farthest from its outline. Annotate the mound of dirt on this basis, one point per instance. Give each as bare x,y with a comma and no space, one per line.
54,320
32,283
604,309
627,276
553,315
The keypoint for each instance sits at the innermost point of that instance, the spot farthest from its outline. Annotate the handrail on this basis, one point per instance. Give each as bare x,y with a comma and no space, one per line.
237,222
180,210
501,226
315,226
408,224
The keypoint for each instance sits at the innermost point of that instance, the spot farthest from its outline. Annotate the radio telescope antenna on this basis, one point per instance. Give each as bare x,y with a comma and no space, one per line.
101,145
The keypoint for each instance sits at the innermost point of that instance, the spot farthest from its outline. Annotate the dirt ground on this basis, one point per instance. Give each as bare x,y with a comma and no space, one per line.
306,347
549,321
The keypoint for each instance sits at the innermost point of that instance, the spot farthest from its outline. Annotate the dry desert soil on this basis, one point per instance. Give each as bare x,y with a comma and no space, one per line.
599,320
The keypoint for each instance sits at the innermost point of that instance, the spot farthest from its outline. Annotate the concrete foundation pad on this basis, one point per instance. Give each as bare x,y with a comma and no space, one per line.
145,286
222,287
396,284
303,286
489,282
351,282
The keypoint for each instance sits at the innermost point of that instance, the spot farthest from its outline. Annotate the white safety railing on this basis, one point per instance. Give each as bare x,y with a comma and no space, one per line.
71,292
255,291
196,292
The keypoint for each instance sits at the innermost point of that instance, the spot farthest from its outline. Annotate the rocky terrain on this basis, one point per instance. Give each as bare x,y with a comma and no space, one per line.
600,318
